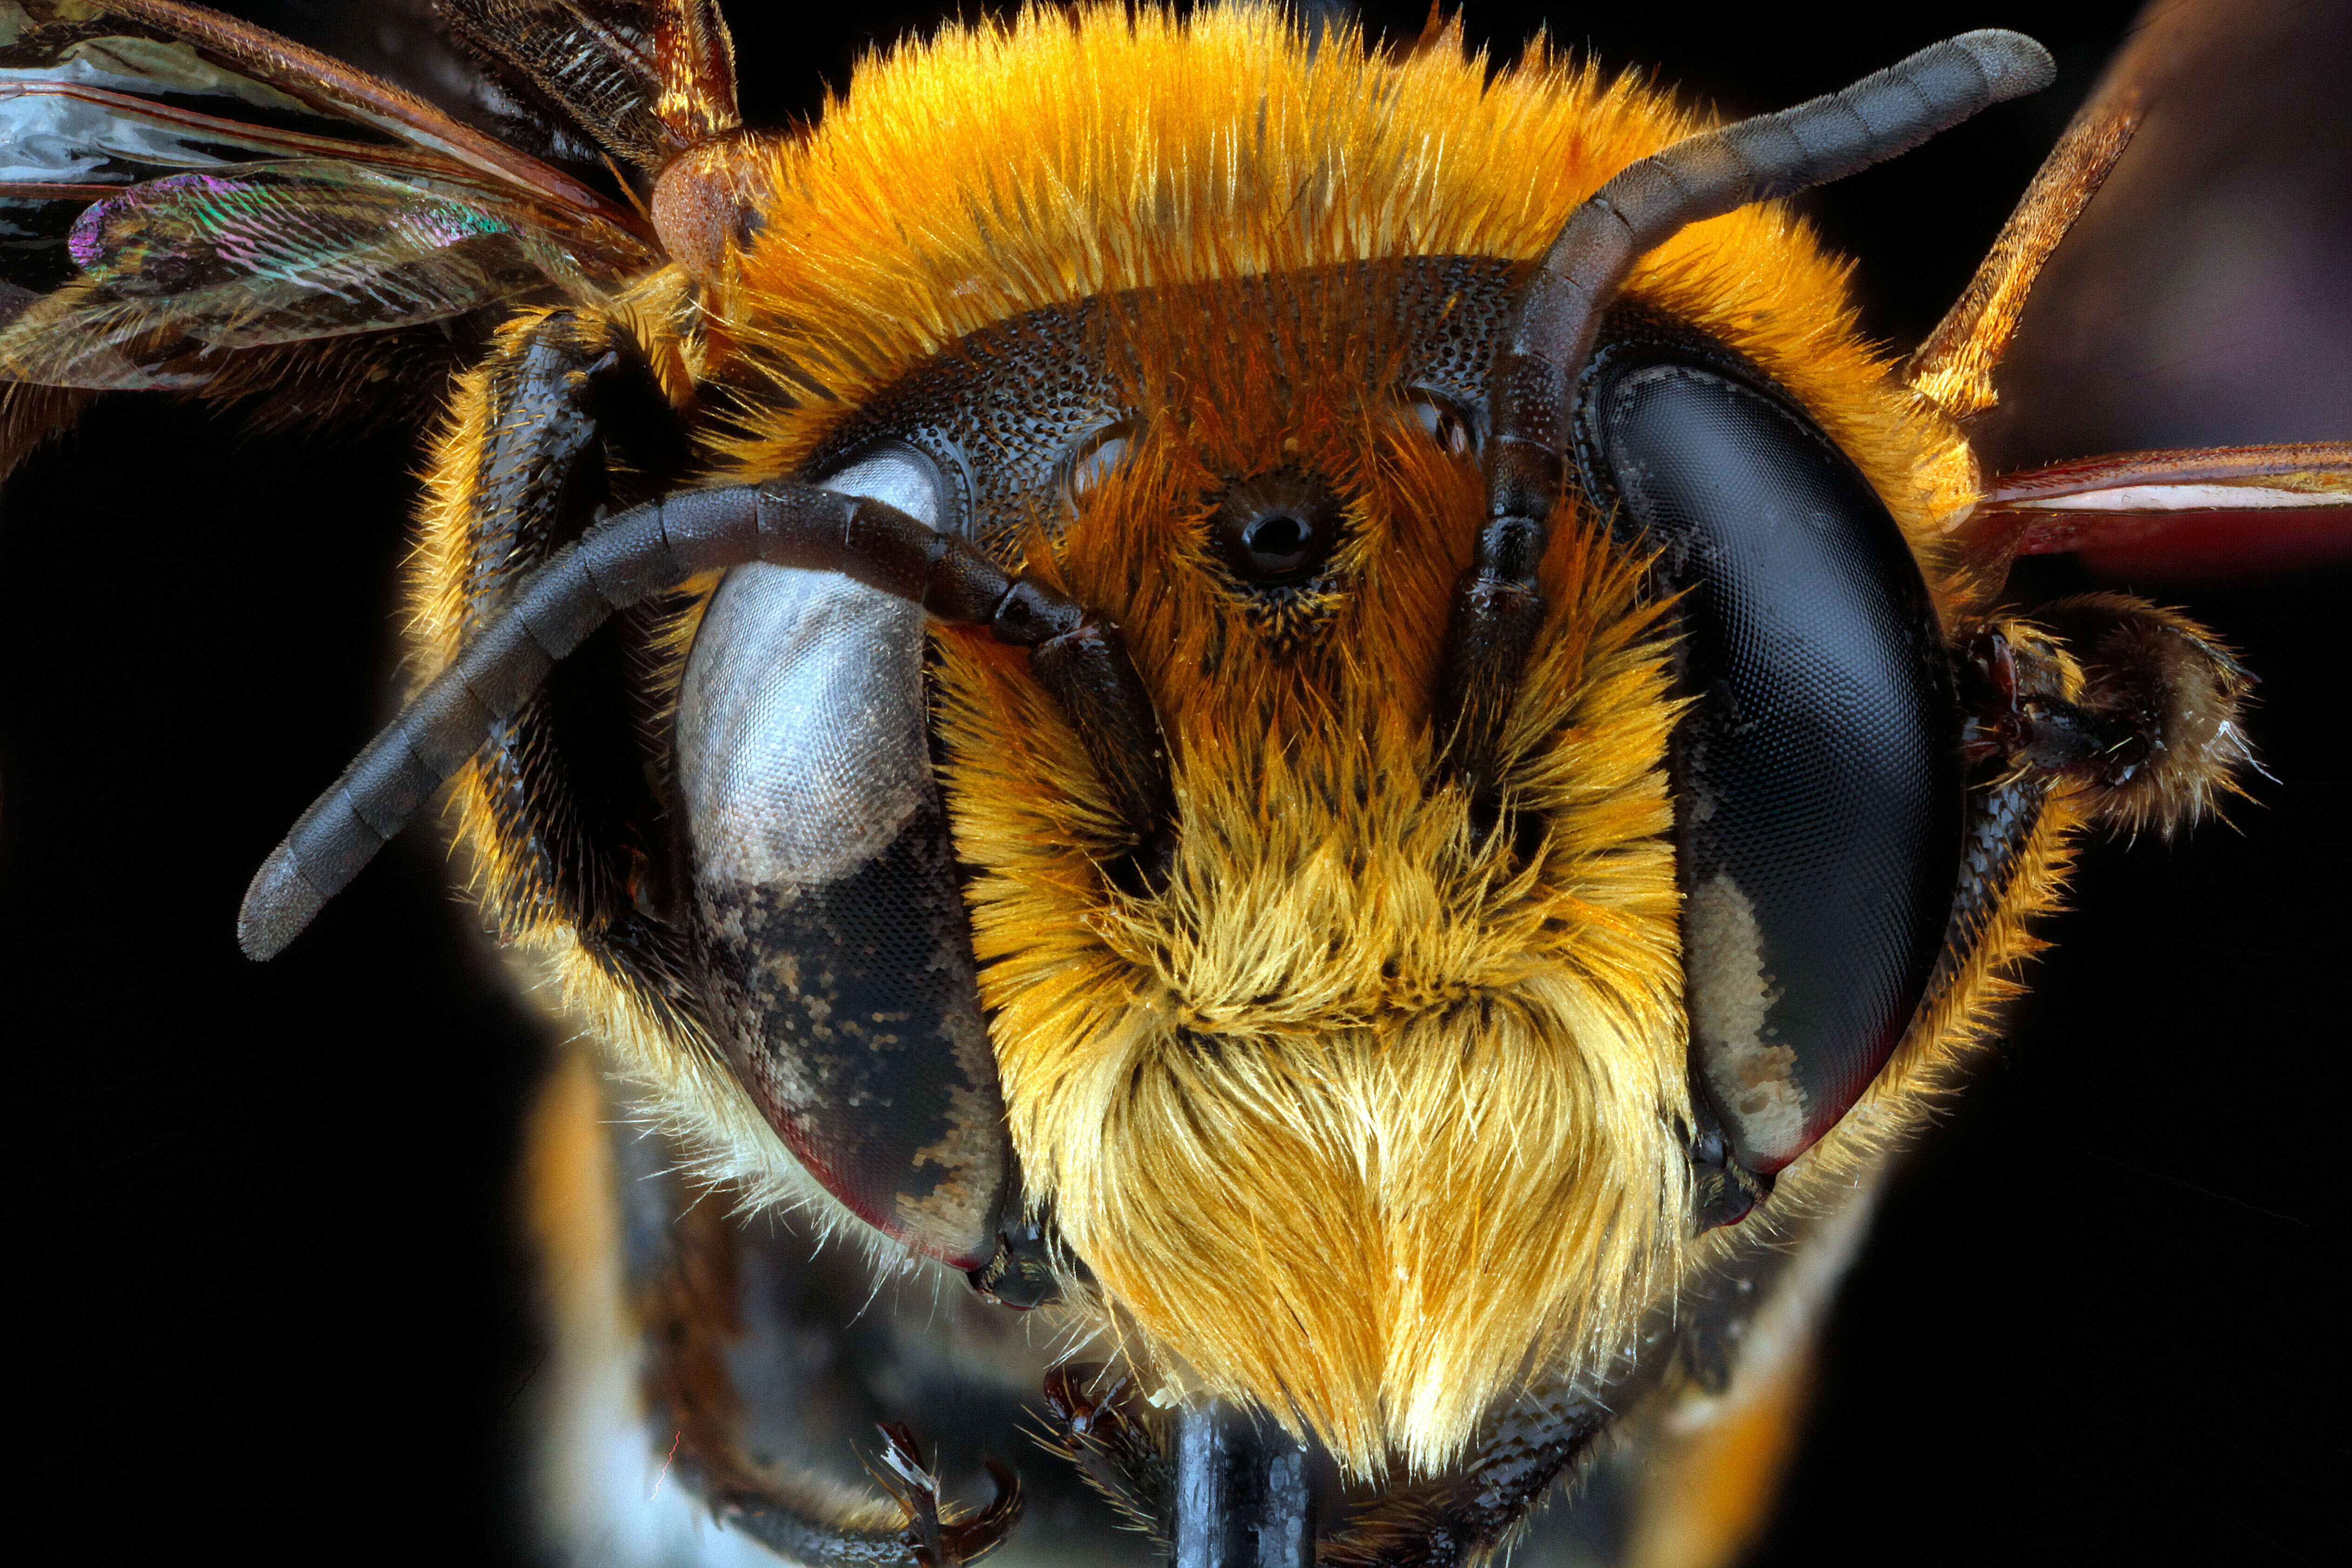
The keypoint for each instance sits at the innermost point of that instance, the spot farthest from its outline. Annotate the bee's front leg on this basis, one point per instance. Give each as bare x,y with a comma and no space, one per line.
929,1537
1101,1427
1526,1448
2098,710
706,1312
808,1533
566,420
2131,710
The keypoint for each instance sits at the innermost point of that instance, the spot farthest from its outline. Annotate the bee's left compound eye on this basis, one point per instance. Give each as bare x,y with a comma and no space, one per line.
837,966
1817,772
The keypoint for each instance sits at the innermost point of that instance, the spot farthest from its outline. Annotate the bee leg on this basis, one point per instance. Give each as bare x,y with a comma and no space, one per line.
576,422
1108,1435
2011,674
805,1526
934,1543
1474,1512
2100,708
924,1539
705,1303
2132,709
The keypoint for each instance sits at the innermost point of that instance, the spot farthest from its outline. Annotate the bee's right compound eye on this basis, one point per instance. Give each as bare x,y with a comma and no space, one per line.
1817,773
835,958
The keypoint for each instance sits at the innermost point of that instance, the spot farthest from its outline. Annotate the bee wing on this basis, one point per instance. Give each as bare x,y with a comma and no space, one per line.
152,238
174,271
2195,304
647,79
259,67
2199,512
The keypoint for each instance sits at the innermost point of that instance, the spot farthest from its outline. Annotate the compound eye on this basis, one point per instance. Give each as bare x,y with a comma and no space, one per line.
835,964
1446,421
1276,529
1817,773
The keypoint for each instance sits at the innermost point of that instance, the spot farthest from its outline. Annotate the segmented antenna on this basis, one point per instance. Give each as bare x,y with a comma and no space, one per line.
1074,654
1497,605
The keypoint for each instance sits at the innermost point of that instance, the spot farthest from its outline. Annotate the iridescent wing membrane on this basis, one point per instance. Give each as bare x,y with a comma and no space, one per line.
178,188
647,79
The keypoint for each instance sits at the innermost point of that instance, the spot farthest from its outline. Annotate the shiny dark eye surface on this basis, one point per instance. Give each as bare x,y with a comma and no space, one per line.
1817,773
1277,528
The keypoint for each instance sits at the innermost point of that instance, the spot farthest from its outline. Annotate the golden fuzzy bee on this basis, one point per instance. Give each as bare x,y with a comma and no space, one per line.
1467,781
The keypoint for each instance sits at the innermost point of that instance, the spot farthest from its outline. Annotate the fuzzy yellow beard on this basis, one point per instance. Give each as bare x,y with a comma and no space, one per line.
1361,1118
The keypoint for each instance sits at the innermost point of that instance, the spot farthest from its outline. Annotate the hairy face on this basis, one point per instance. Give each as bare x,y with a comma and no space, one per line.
1256,1098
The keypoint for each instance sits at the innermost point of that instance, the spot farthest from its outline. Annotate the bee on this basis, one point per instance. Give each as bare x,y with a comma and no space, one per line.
1237,473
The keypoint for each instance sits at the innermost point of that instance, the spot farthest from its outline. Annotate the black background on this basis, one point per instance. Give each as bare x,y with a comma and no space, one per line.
275,1307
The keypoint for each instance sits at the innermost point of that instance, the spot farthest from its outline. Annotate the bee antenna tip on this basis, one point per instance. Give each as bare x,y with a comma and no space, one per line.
278,904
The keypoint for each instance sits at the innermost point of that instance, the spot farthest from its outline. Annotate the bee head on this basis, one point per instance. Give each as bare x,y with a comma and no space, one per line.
1372,1095
1460,784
